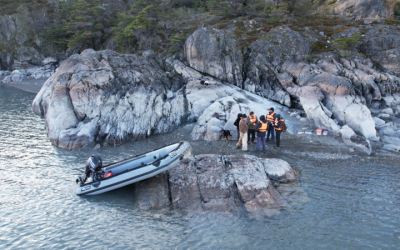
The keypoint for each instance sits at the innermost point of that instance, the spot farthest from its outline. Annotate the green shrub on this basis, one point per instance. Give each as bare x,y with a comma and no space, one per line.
391,21
238,33
345,43
341,29
321,46
329,31
275,20
240,25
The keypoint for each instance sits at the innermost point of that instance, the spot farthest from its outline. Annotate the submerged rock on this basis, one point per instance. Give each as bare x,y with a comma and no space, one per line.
235,184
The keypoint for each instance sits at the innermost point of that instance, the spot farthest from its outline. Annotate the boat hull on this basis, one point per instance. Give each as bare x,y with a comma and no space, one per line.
138,173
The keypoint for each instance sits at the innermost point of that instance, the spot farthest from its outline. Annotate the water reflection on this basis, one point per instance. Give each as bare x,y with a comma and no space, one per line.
346,205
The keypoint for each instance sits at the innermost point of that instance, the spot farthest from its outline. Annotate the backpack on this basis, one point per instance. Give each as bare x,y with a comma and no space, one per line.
284,127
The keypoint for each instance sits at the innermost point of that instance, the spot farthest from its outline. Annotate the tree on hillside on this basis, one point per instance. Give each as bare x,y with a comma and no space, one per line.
143,24
80,24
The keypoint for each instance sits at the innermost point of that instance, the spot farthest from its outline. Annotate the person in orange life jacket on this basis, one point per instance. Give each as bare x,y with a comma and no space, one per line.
271,116
252,121
243,133
278,130
236,123
262,127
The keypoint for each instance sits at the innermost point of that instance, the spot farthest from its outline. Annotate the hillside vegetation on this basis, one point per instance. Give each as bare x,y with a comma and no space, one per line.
130,26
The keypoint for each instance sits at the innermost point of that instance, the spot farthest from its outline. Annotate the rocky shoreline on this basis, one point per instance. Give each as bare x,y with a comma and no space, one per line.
98,98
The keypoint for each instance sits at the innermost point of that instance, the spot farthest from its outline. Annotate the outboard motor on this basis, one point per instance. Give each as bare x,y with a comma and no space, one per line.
92,169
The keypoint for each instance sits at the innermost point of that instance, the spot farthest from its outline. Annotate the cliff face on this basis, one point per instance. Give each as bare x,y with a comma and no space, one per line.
107,98
20,46
327,88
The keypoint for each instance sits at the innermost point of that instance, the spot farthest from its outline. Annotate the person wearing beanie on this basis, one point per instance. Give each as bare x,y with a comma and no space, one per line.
243,133
271,116
278,130
261,128
236,123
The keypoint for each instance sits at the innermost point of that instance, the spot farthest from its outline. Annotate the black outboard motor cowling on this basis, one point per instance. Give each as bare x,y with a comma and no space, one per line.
92,169
94,163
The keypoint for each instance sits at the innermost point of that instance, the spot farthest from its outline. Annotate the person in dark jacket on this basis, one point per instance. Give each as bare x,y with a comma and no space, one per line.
278,130
236,123
261,128
252,120
271,117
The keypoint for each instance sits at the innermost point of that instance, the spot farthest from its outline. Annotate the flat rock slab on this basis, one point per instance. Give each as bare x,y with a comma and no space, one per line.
234,184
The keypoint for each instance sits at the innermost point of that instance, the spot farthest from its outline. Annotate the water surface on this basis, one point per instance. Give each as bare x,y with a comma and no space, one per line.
352,205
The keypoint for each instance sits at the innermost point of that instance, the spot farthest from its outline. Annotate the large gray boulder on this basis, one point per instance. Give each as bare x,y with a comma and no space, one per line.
361,9
220,104
236,183
108,98
215,52
267,54
15,76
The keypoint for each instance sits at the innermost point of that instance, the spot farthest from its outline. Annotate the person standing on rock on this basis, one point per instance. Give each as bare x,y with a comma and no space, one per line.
271,116
243,133
261,128
236,123
278,130
252,121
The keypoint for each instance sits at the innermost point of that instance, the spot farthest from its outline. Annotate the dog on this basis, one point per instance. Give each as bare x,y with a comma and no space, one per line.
202,82
226,134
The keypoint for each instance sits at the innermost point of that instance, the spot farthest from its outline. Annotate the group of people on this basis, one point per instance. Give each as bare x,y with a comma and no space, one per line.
248,125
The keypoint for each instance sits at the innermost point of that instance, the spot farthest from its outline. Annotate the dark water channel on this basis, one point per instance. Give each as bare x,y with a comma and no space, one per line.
351,206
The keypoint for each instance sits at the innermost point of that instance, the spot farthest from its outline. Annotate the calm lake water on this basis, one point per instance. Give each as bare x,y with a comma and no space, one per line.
335,206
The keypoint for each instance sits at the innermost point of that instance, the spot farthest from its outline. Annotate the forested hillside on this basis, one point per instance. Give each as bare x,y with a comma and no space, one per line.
39,28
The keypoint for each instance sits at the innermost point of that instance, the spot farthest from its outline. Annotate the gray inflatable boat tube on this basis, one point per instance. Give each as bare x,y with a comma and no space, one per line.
137,168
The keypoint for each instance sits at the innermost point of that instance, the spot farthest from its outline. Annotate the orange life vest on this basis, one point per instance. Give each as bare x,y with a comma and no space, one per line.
270,117
276,124
253,118
264,127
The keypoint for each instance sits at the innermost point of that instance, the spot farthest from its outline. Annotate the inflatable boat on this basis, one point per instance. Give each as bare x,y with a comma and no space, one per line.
103,179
